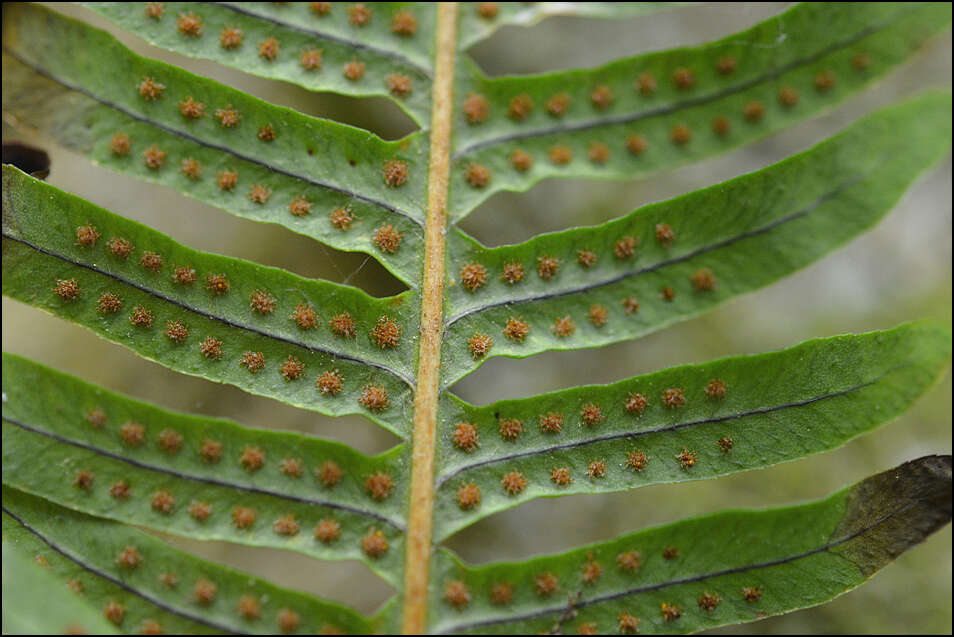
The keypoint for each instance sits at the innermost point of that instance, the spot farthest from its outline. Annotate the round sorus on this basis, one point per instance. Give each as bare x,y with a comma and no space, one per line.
176,332
330,382
327,530
226,179
787,96
262,302
96,417
155,10
599,153
513,482
635,403
488,10
354,70
752,593
149,89
228,117
129,558
725,444
342,218
243,518
686,458
266,133
199,511
670,553
268,50
673,397
636,144
67,289
286,525
386,333
547,267
191,109
231,38
592,571
625,247
753,111
703,280
252,458
513,272
249,607
151,261
76,586
292,369
114,611
343,325
586,258
163,502
399,85
359,15
141,317
477,175
861,61
375,398
545,584
602,97
825,81
480,345
510,428
646,83
591,415
329,473
83,479
465,437
87,235
387,239
154,158
288,620
476,108
204,592
664,234
683,78
151,627
457,594
254,362
395,173
520,107
184,275
217,284
715,389
258,193
726,65
290,467
596,469
670,612
721,125
588,628
629,561
551,422
305,317
636,460
597,315
132,433
210,451
119,247
667,294
560,155
310,59
501,593
168,580
563,327
473,276
374,544
680,134
379,485
560,476
516,330
211,348
521,160
189,24
468,496
558,105
404,23
170,441
708,602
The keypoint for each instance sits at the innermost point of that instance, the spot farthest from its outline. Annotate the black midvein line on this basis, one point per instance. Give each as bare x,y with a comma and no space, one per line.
205,480
628,118
423,70
686,580
207,144
118,582
211,316
635,434
661,264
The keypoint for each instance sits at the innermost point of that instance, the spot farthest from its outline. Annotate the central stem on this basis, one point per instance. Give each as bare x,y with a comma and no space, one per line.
418,557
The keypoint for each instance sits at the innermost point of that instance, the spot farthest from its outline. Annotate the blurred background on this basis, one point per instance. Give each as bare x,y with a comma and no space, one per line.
899,271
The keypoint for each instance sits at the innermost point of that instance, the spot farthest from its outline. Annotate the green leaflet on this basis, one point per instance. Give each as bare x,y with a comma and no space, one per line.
773,408
41,247
86,552
331,165
824,52
297,29
728,239
752,564
479,21
36,603
83,432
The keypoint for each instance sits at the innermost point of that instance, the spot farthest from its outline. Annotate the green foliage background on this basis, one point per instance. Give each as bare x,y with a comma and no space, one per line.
898,272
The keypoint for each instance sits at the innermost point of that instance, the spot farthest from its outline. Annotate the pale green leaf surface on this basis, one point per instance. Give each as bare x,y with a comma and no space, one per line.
36,603
788,51
777,407
297,28
795,556
40,248
84,550
747,232
64,95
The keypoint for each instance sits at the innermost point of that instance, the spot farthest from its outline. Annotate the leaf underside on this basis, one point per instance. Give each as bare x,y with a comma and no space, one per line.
110,462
